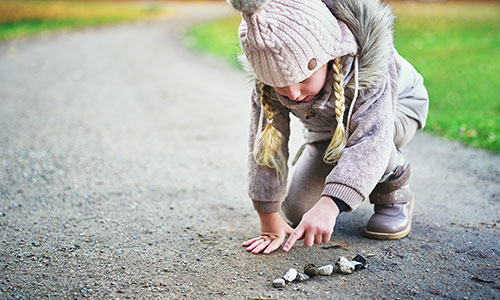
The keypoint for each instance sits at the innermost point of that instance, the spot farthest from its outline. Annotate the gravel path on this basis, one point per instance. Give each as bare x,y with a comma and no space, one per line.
123,175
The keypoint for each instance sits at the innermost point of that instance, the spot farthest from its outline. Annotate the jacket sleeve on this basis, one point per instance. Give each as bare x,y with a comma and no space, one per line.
264,188
368,148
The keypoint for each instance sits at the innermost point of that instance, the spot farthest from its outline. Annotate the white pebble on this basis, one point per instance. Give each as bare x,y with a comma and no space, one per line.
278,283
325,270
290,275
344,265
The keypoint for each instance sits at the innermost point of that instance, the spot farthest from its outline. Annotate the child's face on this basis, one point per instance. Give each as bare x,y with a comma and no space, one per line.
307,89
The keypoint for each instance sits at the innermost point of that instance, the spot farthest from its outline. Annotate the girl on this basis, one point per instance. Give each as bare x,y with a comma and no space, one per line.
333,65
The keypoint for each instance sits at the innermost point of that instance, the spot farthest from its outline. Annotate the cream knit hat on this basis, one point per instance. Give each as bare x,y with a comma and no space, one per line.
286,41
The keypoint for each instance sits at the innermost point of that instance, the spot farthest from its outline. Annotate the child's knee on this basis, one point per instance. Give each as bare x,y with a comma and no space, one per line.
404,129
290,212
293,210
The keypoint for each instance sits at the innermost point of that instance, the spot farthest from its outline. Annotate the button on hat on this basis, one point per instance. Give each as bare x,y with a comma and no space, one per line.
279,38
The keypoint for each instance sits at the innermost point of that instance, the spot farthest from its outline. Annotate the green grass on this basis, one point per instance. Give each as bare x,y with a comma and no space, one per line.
456,47
29,17
219,37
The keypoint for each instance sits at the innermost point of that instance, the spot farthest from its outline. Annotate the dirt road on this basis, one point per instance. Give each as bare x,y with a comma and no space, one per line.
123,175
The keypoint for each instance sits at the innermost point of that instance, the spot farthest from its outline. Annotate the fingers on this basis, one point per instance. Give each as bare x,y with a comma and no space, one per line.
309,239
326,237
275,244
249,242
255,244
318,238
261,246
296,234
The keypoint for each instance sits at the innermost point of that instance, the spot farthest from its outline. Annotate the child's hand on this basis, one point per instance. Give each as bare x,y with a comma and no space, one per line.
316,225
273,232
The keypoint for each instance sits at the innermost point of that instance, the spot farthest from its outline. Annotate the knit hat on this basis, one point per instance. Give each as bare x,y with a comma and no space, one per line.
286,41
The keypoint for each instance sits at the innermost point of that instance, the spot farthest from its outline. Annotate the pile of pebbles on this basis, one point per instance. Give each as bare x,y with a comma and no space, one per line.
342,266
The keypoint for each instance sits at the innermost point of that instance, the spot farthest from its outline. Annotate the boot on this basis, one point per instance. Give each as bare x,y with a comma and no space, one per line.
393,201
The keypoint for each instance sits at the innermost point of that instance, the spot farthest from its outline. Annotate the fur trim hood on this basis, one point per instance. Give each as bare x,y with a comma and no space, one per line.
372,23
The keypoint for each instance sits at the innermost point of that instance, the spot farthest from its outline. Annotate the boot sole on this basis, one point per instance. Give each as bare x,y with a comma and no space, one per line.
395,235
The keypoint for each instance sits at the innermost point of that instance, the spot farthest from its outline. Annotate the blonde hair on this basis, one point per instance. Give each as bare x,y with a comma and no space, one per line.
339,138
267,147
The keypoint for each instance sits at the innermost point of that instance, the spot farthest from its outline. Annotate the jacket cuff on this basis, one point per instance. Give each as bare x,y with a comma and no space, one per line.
347,194
341,205
266,207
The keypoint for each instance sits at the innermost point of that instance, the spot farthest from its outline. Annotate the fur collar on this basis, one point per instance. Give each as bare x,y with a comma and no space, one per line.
371,22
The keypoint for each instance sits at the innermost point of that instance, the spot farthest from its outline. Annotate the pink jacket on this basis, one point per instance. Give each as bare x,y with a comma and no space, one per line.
385,80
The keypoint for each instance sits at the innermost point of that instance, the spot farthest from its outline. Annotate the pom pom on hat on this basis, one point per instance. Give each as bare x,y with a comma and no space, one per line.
247,6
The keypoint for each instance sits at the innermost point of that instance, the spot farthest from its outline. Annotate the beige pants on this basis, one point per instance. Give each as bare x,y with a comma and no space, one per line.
309,173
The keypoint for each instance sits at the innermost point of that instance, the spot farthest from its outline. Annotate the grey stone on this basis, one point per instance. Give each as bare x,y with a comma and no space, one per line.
325,270
279,283
345,266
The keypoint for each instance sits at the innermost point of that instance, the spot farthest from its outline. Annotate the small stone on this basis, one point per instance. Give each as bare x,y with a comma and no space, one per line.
279,283
302,277
311,270
362,262
325,270
290,275
345,266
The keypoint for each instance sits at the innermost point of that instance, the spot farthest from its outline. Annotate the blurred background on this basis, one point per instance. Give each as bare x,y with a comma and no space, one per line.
454,44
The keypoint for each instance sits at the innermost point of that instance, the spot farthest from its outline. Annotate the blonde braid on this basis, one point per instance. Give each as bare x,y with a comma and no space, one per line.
268,143
339,140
